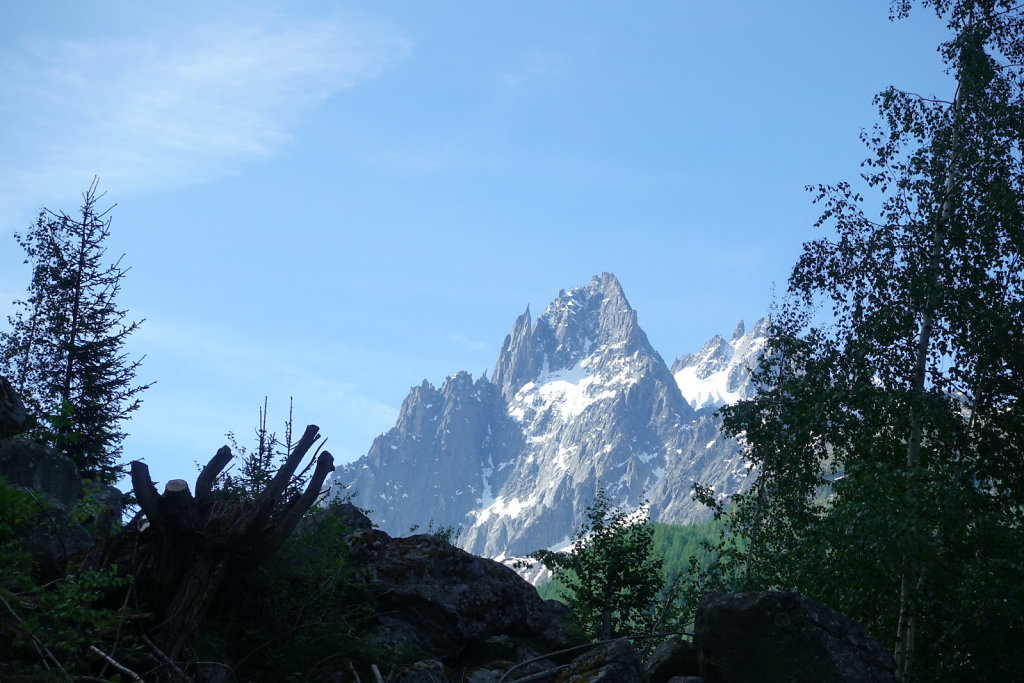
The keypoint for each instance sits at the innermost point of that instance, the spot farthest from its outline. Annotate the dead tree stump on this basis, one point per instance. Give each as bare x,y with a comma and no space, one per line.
193,540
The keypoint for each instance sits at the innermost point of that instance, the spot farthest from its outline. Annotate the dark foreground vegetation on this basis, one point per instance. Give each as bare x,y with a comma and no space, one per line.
217,586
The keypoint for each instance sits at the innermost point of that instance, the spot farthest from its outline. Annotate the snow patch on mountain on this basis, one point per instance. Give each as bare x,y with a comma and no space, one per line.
502,508
719,374
701,392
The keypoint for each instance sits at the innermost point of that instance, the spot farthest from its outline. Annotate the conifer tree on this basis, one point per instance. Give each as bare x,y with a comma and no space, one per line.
64,350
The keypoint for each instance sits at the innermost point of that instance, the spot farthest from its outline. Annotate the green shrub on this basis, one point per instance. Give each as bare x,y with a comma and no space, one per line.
303,616
47,627
611,579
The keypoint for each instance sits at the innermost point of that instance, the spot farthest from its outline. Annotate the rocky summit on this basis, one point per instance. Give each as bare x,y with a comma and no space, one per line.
578,399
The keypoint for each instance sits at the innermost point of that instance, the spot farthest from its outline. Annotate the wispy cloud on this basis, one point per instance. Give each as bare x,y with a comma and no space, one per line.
175,108
531,67
417,160
467,343
211,377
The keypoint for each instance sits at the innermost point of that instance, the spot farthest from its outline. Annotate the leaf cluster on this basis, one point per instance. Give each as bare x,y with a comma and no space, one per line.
49,625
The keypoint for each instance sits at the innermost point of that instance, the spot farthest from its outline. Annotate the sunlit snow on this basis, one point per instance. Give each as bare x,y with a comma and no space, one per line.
502,508
711,391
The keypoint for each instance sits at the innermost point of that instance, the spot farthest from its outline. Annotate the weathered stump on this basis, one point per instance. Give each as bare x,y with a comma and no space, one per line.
193,542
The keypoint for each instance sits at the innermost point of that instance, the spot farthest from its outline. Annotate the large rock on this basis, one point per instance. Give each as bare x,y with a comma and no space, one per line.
74,521
434,600
782,636
53,482
32,466
614,662
675,657
14,419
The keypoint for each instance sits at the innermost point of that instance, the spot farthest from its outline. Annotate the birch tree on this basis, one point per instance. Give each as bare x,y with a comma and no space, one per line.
891,454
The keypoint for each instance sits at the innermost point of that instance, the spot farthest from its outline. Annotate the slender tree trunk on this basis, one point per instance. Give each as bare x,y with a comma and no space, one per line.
905,629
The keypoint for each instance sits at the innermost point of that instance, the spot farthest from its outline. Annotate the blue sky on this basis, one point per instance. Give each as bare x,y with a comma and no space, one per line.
334,201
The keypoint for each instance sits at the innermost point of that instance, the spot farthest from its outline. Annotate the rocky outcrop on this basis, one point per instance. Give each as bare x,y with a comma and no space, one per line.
468,618
30,465
74,518
785,637
434,600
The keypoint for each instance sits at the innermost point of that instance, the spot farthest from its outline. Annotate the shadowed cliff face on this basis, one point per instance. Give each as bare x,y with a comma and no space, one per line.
578,399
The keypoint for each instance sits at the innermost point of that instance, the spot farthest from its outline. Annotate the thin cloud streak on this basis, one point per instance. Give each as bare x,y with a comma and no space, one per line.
177,109
227,363
467,343
532,67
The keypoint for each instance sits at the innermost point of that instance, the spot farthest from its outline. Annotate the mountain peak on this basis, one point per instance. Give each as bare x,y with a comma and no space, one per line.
571,327
738,331
578,396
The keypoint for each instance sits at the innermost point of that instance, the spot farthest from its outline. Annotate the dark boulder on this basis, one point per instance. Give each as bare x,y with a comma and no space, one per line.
436,600
52,481
352,517
14,419
29,465
675,657
614,662
74,518
781,636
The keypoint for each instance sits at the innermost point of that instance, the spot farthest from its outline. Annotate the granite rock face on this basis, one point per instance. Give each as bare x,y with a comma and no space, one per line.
578,399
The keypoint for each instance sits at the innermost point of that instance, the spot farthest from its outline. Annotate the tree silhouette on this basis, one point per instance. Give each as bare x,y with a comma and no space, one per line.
64,350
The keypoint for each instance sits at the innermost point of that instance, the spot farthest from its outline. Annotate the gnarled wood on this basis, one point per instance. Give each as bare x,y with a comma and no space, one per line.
204,482
194,543
145,491
266,548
